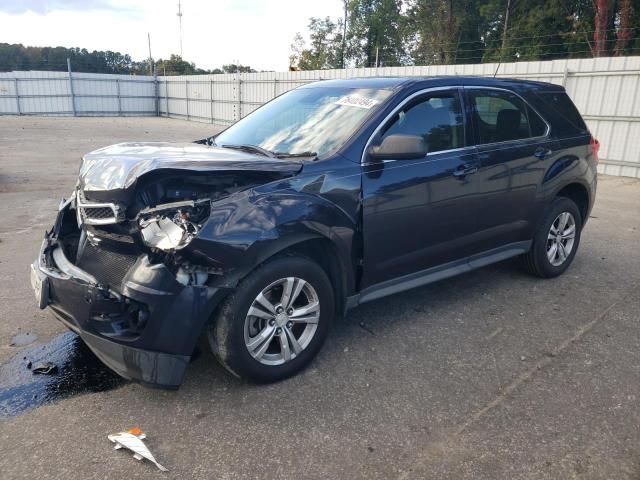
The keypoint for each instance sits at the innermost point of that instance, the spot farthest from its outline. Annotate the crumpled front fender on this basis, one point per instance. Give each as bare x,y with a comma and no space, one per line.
246,229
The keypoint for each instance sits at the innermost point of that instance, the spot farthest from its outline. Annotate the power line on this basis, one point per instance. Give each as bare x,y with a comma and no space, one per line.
541,46
82,64
560,34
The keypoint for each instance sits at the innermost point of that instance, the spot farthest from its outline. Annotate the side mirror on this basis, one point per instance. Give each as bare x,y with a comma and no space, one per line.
399,147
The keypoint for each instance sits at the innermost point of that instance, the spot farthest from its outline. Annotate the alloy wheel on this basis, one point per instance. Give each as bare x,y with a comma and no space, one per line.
561,238
282,321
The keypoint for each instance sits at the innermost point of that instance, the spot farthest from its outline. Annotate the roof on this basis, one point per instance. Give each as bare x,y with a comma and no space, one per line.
392,83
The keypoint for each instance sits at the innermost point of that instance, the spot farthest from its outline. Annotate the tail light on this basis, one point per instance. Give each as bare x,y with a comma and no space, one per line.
595,148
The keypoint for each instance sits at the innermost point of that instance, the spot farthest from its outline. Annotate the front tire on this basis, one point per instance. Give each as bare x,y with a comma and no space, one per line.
275,321
556,241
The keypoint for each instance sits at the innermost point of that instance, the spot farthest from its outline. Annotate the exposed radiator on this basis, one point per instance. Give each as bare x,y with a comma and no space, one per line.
106,266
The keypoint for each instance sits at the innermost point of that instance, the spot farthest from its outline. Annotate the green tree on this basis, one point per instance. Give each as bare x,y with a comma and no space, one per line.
443,31
374,31
19,57
233,68
536,30
295,51
175,65
633,45
326,46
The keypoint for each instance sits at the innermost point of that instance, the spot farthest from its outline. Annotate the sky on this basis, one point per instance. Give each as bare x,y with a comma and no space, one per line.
215,32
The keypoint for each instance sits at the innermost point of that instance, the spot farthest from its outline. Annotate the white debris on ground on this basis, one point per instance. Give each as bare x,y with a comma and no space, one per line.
132,440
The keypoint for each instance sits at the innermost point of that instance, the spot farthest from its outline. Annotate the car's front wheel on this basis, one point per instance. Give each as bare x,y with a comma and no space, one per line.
276,320
556,241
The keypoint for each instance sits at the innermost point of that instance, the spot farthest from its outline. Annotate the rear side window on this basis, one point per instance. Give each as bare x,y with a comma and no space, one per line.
437,118
562,105
502,116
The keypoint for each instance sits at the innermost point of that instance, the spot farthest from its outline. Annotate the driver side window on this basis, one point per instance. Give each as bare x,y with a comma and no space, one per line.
437,118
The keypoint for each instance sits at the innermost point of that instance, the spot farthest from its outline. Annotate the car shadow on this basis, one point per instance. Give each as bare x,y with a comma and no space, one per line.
375,318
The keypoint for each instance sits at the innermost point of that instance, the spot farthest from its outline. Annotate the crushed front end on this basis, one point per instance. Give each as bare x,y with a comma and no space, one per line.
120,266
140,311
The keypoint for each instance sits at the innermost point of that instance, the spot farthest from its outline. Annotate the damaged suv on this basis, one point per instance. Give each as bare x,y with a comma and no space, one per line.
334,194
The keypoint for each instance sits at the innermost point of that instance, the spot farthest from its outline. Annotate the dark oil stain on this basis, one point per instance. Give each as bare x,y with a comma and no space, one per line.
79,371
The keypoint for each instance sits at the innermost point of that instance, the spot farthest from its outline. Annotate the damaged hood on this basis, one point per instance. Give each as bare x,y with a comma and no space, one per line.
120,165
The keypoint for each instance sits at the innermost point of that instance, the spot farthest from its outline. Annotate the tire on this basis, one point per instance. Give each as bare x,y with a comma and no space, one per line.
537,261
233,331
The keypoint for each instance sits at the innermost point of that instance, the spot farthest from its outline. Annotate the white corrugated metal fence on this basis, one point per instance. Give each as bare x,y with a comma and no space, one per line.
605,90
88,94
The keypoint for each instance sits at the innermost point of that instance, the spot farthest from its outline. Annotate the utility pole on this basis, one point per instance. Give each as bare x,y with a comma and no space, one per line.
150,57
180,21
506,27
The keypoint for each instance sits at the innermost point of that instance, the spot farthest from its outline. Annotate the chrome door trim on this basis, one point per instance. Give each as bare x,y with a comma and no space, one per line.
452,88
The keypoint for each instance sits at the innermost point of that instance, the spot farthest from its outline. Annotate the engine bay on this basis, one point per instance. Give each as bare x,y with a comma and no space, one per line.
158,218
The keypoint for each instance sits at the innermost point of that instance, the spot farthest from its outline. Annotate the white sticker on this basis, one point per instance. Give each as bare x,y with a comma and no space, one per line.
357,101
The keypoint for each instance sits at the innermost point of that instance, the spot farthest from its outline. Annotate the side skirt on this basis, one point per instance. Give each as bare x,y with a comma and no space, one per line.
437,273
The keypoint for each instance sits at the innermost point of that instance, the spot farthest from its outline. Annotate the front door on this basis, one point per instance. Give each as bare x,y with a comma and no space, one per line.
420,213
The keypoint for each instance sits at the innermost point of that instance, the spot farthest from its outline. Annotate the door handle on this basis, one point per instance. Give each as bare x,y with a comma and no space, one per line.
464,170
541,153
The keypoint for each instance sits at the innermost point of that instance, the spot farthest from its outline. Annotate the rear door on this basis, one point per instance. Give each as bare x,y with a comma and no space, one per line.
513,151
420,213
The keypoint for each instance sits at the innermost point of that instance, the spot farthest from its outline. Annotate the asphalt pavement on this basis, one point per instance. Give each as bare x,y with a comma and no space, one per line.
489,375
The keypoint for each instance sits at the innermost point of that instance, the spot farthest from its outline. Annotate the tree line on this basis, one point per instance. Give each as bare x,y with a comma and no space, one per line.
19,57
435,32
403,32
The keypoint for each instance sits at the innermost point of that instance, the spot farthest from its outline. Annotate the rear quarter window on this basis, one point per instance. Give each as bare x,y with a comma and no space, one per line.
566,117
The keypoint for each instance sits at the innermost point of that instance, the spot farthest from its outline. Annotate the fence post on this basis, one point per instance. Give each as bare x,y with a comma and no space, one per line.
186,91
15,88
275,87
156,87
73,97
239,116
119,99
211,99
564,76
166,94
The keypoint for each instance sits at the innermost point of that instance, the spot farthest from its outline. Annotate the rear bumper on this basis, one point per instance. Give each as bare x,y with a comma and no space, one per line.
145,332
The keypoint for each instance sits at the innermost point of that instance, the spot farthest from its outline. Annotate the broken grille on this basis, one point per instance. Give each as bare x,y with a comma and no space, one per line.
95,213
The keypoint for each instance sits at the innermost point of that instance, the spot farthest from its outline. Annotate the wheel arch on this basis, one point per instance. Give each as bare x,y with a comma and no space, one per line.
324,253
318,248
579,194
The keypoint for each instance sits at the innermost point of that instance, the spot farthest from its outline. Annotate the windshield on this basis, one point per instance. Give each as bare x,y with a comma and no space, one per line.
306,121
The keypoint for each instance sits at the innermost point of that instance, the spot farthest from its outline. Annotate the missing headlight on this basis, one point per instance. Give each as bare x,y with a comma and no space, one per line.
170,227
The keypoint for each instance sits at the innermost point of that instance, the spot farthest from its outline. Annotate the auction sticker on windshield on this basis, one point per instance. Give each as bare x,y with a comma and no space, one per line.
357,101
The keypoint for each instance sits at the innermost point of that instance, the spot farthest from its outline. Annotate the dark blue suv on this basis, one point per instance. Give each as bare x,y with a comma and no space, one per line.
331,195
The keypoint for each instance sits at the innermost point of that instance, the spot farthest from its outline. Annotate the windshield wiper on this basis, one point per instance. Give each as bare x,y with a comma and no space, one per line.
295,155
252,149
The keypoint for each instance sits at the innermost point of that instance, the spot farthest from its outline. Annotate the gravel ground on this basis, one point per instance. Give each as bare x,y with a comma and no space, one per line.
490,375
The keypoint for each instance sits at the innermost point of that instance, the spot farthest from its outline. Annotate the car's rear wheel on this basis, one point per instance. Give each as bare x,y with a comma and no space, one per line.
276,320
556,241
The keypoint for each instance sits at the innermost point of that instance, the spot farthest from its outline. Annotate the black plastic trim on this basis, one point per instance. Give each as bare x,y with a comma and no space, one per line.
440,272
